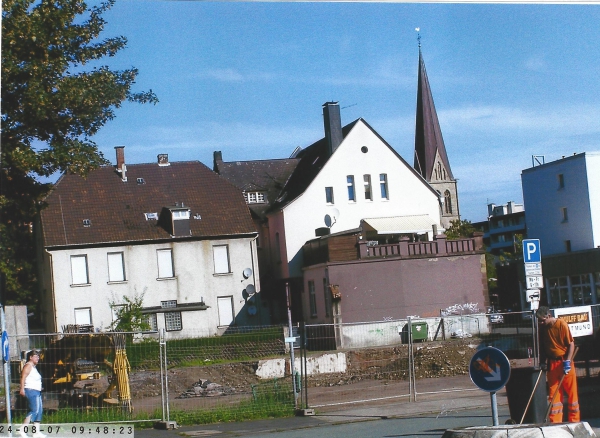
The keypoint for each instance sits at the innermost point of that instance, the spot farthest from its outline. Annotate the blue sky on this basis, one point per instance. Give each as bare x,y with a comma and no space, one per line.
249,79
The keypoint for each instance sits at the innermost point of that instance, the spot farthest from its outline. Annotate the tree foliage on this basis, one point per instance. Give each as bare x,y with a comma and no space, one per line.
129,316
55,97
459,228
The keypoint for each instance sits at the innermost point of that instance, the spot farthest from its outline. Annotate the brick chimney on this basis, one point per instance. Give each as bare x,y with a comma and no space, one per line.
120,157
333,125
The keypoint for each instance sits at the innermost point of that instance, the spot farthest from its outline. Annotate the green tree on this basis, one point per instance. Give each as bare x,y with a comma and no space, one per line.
129,316
459,228
55,96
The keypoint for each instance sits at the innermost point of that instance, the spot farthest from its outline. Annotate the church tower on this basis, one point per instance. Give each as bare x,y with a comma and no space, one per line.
431,160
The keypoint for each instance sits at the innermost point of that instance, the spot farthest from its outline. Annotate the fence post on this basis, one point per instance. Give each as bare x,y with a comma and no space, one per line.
6,367
166,423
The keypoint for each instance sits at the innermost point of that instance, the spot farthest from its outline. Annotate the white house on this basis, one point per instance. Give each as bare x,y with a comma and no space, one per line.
562,203
350,175
176,234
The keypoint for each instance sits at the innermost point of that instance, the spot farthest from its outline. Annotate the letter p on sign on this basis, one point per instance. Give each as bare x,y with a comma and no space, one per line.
531,251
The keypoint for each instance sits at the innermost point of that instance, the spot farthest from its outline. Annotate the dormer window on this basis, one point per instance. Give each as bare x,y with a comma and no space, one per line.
180,214
176,220
254,197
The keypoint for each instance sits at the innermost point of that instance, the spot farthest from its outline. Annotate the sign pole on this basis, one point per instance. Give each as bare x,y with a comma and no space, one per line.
494,407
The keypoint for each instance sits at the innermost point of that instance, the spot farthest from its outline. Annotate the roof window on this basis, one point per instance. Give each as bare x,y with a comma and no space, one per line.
87,223
141,181
151,216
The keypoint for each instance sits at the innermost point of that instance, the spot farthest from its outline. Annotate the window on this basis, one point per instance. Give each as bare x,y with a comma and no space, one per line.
172,319
116,267
180,214
152,321
350,183
83,316
567,245
329,195
165,263
559,292
448,202
151,216
87,223
565,215
116,311
79,269
254,197
312,297
581,289
597,281
221,258
327,295
368,193
225,307
561,181
383,184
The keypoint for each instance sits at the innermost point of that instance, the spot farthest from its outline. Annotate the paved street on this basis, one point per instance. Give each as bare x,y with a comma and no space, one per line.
430,416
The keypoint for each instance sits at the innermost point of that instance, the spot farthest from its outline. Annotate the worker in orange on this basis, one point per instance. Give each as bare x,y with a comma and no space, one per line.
557,352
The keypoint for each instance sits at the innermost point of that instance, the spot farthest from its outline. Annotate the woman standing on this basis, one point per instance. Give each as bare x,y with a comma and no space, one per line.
31,387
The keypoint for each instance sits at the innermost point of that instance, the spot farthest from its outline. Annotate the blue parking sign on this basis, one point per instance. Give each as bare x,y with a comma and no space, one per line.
532,252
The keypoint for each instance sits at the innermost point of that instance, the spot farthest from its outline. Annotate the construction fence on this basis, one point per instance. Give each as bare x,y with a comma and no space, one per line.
257,372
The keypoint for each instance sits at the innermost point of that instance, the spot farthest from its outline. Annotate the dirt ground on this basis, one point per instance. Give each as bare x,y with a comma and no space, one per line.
432,359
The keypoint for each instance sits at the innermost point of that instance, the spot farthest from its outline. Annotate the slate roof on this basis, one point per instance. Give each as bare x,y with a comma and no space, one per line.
428,134
268,176
116,209
312,160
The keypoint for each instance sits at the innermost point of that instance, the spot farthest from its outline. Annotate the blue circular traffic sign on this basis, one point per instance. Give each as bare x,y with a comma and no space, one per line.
489,369
5,353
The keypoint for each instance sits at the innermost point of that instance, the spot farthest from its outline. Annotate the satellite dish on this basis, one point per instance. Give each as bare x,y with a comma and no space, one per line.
250,289
252,310
247,273
331,217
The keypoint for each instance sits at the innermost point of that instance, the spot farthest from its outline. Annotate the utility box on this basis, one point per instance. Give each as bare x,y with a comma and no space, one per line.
420,332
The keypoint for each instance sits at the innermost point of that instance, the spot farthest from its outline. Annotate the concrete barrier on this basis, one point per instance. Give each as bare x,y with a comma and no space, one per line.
323,364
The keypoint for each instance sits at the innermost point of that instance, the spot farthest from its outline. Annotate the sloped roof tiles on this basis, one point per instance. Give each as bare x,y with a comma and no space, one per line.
116,209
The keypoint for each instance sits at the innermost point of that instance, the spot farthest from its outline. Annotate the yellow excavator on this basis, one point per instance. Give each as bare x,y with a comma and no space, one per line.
86,368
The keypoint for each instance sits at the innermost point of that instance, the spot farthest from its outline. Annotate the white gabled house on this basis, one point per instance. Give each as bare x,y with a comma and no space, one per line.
175,233
350,175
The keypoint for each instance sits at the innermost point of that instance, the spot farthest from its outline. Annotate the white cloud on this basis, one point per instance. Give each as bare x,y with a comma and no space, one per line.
569,120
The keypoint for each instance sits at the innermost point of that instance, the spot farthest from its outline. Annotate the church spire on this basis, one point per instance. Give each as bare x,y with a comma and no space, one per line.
431,160
429,143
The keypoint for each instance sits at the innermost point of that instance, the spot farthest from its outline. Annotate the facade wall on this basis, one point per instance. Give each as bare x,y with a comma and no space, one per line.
593,176
386,289
408,193
194,281
551,188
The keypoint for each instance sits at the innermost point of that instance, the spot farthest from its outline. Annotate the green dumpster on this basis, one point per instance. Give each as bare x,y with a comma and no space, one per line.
419,332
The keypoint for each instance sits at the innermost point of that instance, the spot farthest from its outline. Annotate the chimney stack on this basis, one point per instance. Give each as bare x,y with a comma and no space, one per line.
163,160
333,125
120,157
217,161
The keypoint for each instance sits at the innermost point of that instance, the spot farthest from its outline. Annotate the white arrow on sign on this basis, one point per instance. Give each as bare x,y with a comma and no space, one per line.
496,375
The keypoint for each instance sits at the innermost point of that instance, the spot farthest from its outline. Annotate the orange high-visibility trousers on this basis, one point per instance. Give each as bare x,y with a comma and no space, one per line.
568,387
